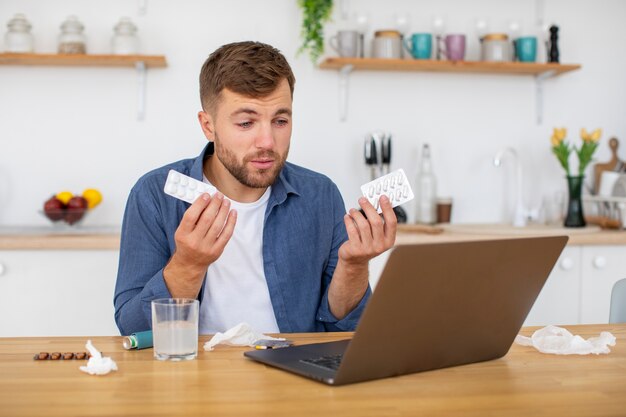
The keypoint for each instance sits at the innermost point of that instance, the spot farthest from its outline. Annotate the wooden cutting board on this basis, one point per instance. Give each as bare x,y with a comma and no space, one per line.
599,168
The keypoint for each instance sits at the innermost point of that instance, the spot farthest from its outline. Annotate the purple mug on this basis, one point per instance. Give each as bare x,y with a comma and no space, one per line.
455,47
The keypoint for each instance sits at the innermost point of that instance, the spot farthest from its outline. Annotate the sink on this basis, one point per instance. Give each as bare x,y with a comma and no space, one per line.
508,229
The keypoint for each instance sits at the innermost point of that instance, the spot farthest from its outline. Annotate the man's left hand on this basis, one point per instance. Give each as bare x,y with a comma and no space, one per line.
369,235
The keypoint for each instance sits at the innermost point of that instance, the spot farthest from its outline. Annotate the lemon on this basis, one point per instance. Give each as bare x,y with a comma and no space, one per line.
64,196
93,197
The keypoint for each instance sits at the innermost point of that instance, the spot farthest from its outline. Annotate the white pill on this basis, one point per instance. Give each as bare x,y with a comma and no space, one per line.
189,195
386,184
378,186
181,192
175,177
171,188
370,192
192,185
400,178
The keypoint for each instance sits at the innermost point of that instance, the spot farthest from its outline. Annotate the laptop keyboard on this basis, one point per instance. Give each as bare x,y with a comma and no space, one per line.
331,362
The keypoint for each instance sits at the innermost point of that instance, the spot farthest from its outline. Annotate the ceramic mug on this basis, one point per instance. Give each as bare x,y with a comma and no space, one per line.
387,44
454,47
420,45
526,49
346,43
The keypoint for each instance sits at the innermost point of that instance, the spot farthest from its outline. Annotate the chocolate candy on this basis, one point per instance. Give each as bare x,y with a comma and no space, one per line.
55,356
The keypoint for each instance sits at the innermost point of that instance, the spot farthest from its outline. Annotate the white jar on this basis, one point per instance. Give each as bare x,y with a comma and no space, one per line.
18,38
496,47
125,41
72,40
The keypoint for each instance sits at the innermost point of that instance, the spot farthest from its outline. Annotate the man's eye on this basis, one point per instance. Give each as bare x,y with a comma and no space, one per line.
244,124
282,122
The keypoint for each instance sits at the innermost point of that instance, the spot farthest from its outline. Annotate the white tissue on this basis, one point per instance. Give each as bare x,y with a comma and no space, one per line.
240,335
557,340
97,365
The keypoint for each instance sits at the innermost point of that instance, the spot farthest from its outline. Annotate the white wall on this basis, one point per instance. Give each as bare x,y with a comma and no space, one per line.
73,128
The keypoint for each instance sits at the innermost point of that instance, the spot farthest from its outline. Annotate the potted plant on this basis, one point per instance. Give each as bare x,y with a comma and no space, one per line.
315,13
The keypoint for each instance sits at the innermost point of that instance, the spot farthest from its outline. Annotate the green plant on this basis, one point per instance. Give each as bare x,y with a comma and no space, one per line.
562,149
314,14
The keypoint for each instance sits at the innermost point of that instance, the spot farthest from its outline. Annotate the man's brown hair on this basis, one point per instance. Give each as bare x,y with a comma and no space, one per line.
253,69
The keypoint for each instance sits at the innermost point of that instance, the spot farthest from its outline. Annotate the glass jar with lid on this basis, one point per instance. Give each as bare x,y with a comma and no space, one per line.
72,39
18,38
125,41
496,47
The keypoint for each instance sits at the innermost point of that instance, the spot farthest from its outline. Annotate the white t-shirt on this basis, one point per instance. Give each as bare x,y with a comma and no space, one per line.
236,290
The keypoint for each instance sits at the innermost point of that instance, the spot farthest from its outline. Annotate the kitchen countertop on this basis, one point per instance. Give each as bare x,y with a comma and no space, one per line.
108,237
591,235
60,238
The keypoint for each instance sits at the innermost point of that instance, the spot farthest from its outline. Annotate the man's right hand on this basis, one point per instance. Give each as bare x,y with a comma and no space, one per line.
204,231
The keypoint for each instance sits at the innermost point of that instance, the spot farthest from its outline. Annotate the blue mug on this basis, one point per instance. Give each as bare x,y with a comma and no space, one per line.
420,45
526,49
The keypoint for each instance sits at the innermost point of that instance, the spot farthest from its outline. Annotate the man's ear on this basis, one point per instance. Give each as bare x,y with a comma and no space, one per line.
207,124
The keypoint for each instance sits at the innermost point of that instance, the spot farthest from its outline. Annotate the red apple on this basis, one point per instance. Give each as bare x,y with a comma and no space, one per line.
54,209
76,208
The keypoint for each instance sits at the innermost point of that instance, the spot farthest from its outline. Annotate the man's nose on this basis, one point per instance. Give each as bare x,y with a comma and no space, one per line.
265,138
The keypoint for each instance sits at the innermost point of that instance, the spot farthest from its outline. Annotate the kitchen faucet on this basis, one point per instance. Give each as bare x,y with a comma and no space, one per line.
521,213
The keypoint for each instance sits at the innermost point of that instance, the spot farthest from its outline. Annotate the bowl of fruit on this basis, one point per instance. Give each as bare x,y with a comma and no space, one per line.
68,208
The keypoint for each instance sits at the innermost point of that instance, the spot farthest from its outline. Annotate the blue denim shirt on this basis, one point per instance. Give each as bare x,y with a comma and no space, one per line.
302,233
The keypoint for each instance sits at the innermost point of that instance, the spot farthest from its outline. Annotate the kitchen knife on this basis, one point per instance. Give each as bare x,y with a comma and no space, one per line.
386,163
386,153
371,155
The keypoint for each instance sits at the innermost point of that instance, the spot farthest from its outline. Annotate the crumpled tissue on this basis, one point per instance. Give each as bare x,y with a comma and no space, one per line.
240,335
559,341
97,365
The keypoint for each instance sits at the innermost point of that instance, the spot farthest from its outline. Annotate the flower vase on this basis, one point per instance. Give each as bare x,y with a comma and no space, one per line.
575,217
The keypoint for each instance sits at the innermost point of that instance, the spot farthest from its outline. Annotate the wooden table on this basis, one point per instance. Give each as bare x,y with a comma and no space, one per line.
224,383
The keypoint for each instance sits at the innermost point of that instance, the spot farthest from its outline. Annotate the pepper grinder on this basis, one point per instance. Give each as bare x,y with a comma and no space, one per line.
553,50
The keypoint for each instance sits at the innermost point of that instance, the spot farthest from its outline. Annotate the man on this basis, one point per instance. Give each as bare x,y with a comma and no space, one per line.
272,245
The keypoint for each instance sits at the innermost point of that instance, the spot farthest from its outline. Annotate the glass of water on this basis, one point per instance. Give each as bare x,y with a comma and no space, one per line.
175,328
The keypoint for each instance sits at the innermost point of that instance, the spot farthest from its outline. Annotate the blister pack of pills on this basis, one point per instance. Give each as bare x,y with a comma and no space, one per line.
185,188
394,185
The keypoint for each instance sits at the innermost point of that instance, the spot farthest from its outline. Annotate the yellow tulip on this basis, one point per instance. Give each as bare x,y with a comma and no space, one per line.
595,135
555,141
584,135
560,133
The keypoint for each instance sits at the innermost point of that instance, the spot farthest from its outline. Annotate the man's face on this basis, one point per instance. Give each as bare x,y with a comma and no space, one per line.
252,135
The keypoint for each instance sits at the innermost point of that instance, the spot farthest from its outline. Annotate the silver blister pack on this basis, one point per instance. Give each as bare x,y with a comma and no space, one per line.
394,185
184,187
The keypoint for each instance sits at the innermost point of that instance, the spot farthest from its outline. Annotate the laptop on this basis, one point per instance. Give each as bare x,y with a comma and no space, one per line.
435,306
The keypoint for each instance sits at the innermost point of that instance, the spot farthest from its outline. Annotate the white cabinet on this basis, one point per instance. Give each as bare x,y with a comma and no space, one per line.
57,292
602,266
559,299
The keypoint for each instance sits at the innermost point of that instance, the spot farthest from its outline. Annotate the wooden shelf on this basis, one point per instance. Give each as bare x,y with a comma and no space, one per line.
377,64
80,60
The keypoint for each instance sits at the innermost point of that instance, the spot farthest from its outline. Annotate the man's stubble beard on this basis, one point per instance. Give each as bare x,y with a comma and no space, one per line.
250,177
